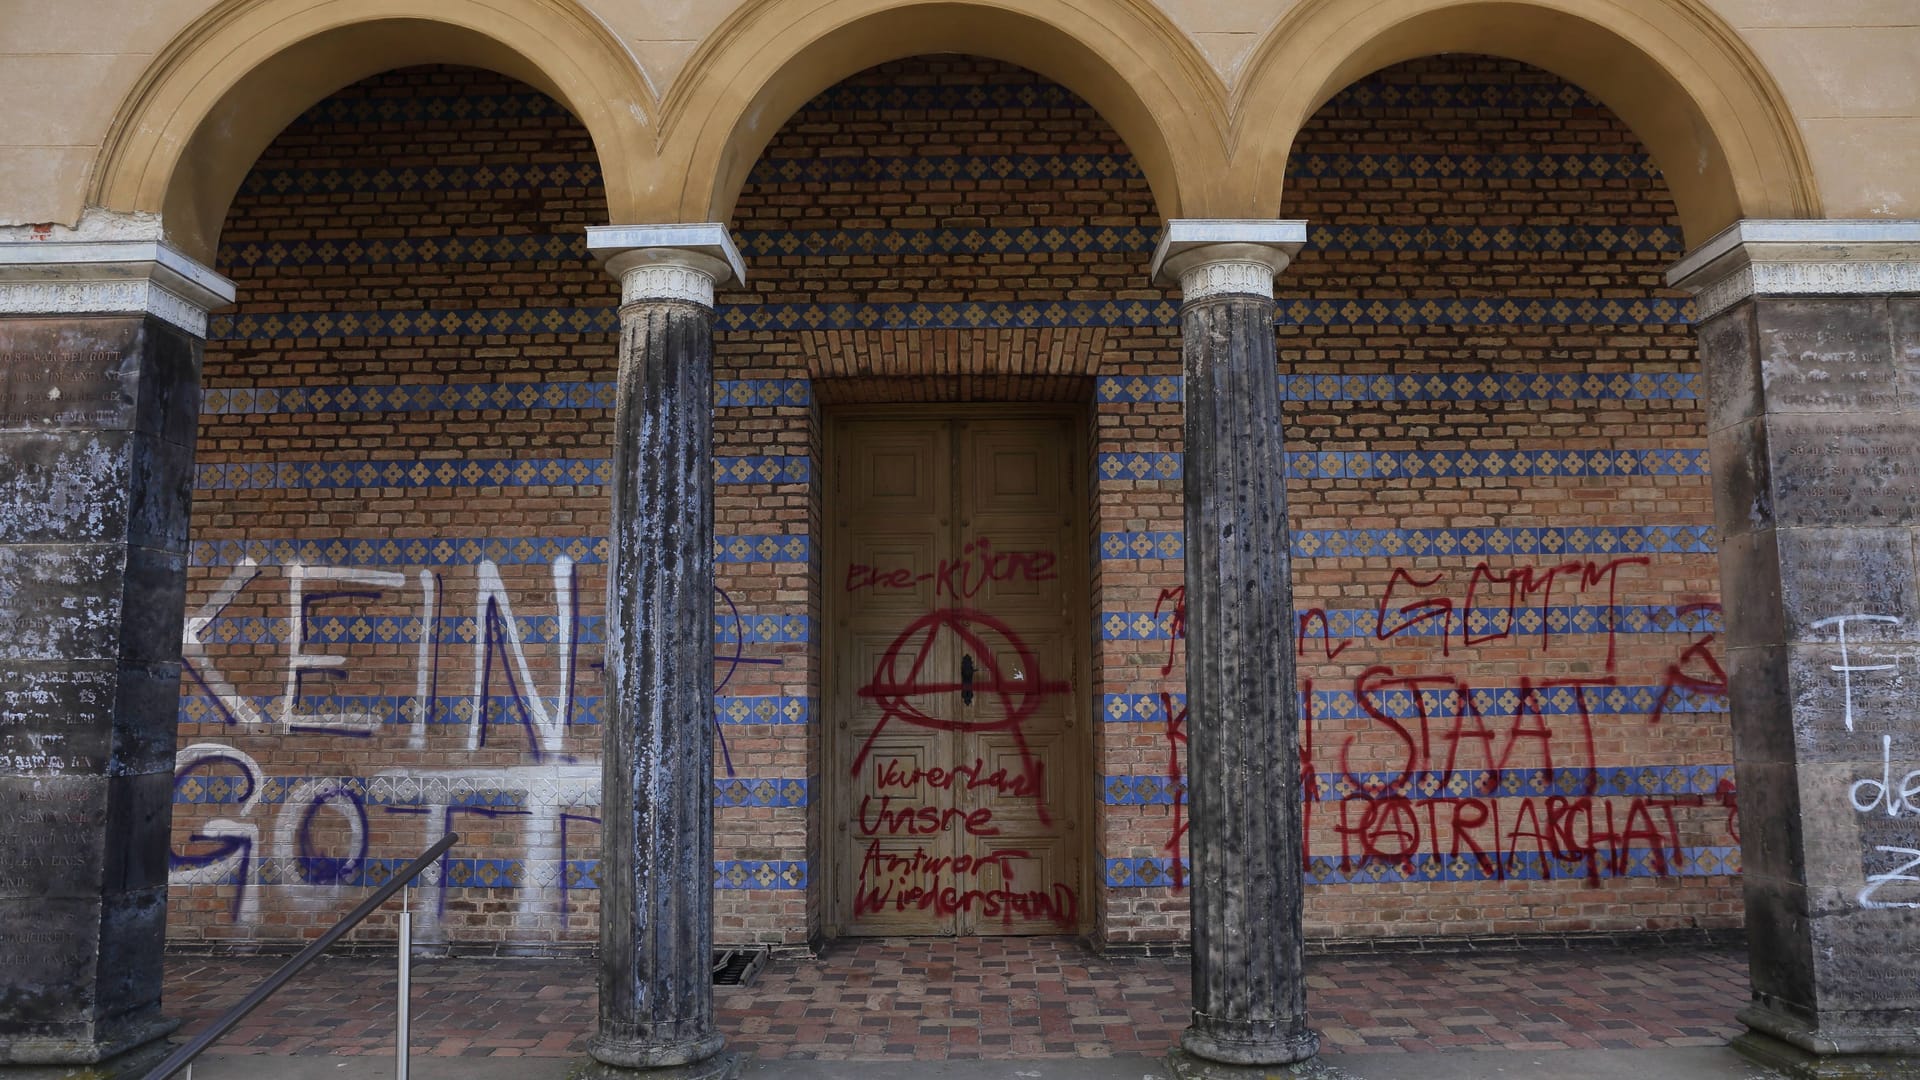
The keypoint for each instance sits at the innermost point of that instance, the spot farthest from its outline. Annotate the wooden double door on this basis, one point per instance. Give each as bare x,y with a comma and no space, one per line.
956,687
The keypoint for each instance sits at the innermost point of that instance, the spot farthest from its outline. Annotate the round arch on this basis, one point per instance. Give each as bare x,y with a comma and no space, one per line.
1707,111
214,98
1123,56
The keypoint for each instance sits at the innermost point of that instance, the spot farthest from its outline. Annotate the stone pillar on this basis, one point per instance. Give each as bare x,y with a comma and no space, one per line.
656,804
1249,988
1810,345
100,347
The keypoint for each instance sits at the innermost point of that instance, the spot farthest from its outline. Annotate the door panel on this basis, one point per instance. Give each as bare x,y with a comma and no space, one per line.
956,685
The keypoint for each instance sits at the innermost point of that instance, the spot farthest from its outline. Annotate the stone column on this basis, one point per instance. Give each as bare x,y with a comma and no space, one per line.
656,803
1810,345
1249,989
100,347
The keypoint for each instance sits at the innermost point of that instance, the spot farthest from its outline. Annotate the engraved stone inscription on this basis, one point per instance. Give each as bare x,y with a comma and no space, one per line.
67,373
51,950
61,601
51,835
1832,469
1826,356
63,486
54,719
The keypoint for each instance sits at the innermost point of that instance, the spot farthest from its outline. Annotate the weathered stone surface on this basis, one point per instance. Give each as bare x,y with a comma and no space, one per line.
1759,693
92,602
100,373
1249,988
94,486
1730,366
97,421
83,977
155,607
52,946
1826,355
1742,477
1779,949
656,899
1750,589
1834,572
139,816
1904,312
132,942
1841,715
1817,499
1770,840
87,717
70,373
52,835
1858,468
61,601
1863,981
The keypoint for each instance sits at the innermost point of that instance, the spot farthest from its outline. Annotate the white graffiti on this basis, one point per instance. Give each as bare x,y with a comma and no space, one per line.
495,629
238,840
1872,795
549,724
193,646
1898,800
1898,874
1846,667
300,662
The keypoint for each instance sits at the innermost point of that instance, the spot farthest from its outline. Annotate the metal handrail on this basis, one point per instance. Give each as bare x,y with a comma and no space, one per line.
183,1057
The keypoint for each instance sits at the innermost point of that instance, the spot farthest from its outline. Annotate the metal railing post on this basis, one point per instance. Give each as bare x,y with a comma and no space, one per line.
182,1058
406,988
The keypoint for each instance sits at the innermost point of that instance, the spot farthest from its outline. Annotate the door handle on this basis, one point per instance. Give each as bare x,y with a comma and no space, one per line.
966,679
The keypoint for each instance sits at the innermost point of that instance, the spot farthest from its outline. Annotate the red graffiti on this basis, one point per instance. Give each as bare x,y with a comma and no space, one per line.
962,579
973,777
1405,605
1174,602
885,877
1003,687
1571,836
903,692
1442,741
1705,676
922,820
1176,735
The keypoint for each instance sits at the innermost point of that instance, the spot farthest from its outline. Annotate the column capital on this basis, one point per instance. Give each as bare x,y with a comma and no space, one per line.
668,262
1221,256
100,277
1821,257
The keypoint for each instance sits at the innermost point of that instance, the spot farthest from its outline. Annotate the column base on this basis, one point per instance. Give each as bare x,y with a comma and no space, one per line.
724,1066
91,1045
129,1065
1792,1061
1242,1042
1186,1066
1803,1051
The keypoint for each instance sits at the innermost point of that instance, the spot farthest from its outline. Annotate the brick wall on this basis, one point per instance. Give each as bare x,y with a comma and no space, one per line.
1491,406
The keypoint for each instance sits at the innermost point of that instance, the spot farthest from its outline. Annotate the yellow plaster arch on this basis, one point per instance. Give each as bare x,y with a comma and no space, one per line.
219,92
1124,56
1699,99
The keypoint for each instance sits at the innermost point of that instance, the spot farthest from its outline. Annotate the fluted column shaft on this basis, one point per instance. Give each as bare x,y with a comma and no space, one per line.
656,868
1249,992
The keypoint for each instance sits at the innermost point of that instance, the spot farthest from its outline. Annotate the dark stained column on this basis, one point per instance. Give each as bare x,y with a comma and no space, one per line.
1810,346
100,348
656,865
1249,988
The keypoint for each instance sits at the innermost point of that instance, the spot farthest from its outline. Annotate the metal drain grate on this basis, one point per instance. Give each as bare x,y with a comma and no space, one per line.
737,967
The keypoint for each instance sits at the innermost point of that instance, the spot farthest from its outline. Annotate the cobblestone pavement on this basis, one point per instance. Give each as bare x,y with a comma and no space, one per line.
1017,998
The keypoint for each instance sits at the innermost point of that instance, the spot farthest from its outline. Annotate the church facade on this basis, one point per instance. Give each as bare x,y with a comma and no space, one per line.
1177,477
